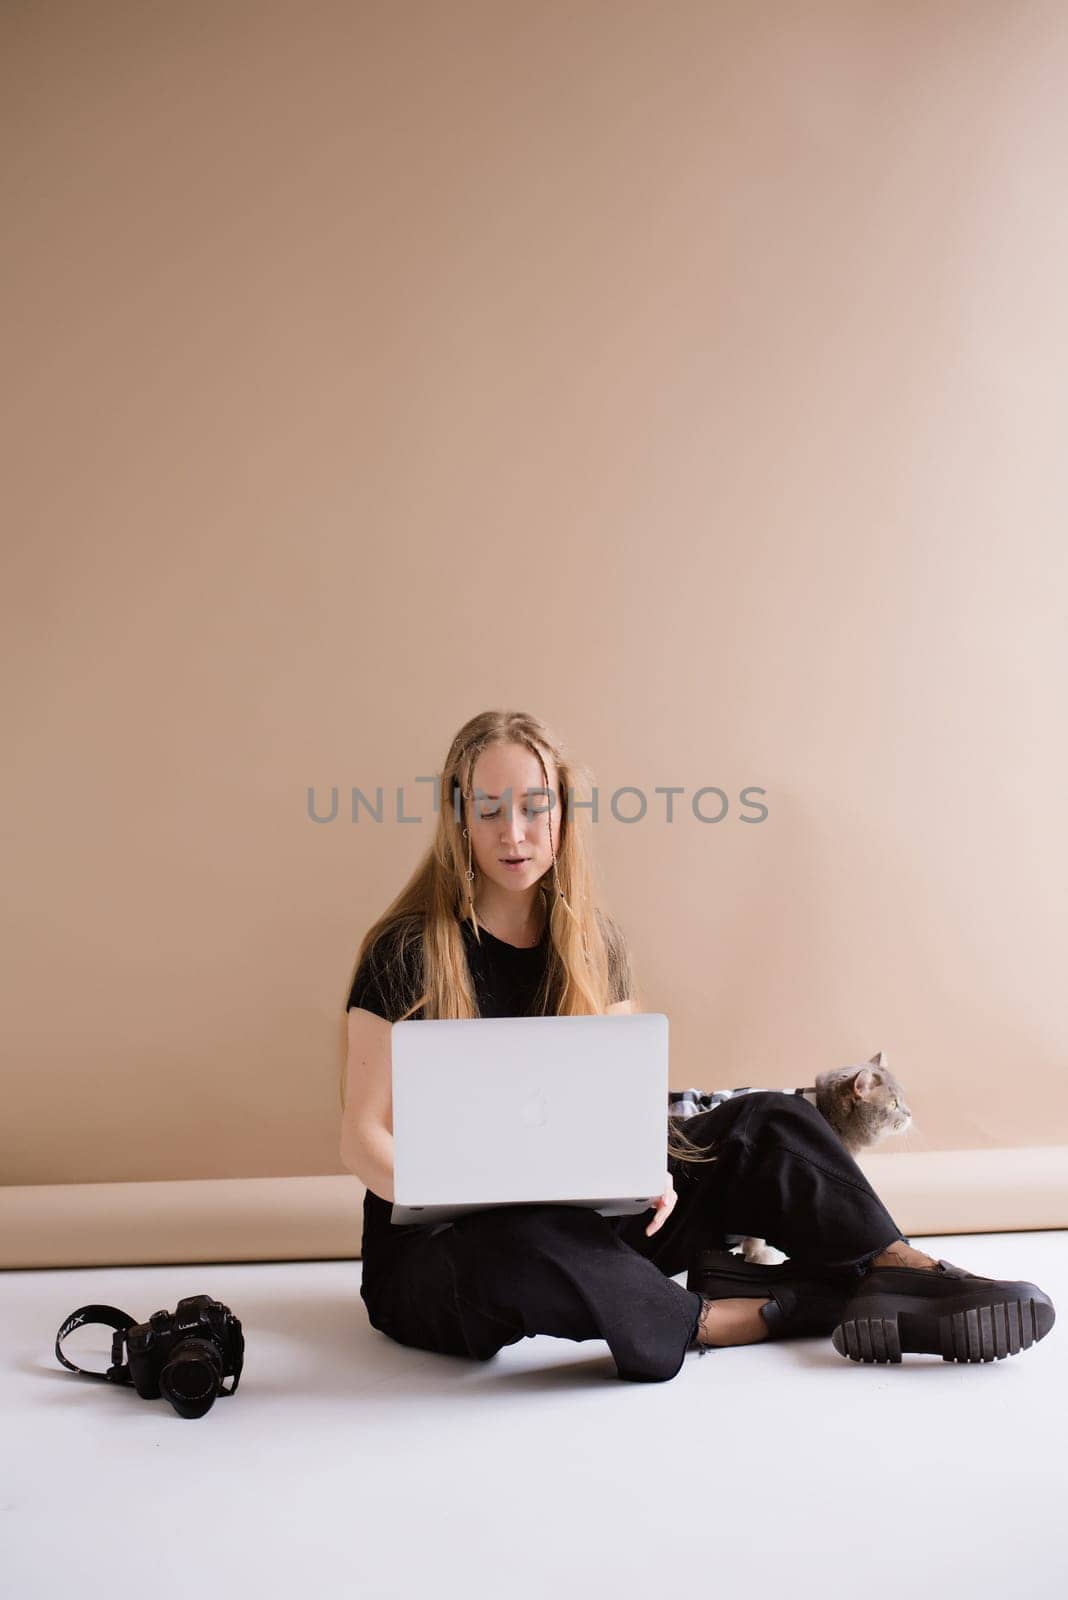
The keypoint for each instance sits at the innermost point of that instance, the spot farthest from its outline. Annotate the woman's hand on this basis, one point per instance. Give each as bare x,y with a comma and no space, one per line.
664,1206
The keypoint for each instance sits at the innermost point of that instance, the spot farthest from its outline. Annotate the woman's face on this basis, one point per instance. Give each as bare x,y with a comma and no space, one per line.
511,772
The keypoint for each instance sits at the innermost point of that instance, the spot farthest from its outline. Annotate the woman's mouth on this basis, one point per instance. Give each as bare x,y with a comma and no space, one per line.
515,863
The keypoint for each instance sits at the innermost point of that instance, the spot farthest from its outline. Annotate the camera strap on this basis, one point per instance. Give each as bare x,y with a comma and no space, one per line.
112,1317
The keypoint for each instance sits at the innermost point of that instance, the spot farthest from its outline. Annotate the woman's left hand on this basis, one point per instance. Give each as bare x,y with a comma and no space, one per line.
664,1206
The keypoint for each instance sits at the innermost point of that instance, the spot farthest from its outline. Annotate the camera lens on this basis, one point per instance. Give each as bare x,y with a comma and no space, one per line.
190,1379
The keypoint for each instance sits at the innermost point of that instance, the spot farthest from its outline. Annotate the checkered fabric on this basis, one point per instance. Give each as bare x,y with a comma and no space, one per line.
688,1102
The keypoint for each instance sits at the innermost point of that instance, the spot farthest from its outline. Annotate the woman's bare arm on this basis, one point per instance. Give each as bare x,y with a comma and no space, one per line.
367,1121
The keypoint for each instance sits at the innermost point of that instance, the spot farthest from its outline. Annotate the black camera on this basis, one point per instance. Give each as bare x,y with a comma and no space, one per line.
182,1356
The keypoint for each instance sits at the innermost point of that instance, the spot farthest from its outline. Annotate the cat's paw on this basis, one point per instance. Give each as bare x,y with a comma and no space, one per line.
762,1253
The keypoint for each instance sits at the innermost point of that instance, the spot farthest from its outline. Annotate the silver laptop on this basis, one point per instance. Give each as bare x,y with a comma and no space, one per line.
492,1111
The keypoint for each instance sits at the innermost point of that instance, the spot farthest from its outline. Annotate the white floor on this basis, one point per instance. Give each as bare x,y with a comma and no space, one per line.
348,1464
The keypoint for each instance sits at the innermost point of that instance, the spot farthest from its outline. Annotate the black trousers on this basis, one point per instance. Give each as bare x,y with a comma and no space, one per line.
491,1278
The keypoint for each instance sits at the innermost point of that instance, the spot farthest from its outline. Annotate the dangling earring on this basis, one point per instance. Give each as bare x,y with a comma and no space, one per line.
469,874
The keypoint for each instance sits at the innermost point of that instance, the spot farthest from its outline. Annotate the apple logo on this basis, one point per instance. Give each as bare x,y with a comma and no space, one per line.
532,1112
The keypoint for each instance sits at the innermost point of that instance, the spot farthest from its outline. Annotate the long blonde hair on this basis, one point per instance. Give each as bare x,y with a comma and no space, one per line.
588,958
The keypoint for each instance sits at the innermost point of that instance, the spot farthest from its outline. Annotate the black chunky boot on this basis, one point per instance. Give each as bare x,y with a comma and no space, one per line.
945,1311
805,1302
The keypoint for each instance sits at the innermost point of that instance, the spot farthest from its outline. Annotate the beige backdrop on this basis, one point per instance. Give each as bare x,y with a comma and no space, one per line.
692,375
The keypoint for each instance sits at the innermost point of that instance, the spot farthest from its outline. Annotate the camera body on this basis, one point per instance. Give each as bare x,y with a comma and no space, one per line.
184,1356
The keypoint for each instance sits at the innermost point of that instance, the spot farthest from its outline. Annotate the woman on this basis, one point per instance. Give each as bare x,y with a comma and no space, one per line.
499,919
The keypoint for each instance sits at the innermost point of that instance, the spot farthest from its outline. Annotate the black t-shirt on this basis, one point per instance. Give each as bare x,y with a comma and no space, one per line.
506,978
507,981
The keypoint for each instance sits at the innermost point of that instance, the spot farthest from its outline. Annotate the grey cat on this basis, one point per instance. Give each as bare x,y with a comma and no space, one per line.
863,1105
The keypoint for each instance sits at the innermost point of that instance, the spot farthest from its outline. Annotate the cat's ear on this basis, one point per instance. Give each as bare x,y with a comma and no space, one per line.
878,1060
863,1084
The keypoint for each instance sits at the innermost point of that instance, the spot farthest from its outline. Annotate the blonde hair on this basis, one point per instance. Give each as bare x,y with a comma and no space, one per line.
588,959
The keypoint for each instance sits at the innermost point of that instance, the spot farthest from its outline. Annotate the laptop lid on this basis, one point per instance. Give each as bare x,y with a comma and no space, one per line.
491,1111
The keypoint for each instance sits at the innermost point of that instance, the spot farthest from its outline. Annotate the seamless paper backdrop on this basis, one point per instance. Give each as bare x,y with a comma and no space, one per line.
691,375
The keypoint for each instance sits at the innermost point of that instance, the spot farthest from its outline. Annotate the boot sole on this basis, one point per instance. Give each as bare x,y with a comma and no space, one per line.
974,1333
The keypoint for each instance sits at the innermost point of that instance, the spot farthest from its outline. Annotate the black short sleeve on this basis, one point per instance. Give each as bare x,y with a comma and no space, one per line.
389,977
